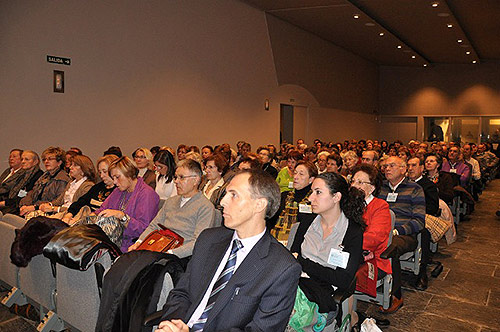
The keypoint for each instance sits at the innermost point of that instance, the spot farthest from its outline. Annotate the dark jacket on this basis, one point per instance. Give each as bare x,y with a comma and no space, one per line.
431,196
131,289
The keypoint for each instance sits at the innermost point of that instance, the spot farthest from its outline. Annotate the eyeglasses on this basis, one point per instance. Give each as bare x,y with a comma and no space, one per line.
49,159
183,177
359,182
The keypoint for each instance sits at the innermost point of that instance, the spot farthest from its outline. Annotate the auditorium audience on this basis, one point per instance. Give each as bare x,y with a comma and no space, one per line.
50,185
454,165
186,214
206,151
84,175
333,163
143,159
369,157
132,201
265,158
321,161
165,169
338,224
285,176
442,180
97,194
12,194
182,149
215,168
351,159
14,166
407,200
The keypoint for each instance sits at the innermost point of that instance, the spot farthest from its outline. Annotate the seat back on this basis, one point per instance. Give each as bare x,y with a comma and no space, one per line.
8,271
37,282
78,296
14,220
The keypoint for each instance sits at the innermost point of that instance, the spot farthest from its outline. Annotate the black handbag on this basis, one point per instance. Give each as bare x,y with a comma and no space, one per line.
78,247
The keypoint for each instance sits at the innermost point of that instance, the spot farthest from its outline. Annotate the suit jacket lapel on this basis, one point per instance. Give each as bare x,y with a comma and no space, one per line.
249,268
214,255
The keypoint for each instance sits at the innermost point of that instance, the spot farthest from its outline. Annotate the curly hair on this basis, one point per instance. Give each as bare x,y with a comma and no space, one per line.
352,202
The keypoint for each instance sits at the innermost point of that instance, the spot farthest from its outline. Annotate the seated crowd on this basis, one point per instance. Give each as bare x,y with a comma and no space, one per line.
339,196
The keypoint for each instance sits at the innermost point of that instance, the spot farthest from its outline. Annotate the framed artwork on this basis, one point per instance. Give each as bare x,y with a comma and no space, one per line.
58,81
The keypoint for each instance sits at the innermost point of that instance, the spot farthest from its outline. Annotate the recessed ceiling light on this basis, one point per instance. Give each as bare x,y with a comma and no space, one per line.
399,46
460,40
468,52
435,4
413,57
356,16
381,34
474,61
450,25
425,65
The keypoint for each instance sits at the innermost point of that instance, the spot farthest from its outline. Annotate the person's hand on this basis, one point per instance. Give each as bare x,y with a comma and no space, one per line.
295,254
46,207
174,325
134,246
112,213
26,209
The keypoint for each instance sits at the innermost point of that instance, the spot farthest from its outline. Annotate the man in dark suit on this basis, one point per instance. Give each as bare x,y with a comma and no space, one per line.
240,277
415,170
14,165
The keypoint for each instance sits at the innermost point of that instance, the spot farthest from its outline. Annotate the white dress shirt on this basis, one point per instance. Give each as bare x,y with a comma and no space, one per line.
248,244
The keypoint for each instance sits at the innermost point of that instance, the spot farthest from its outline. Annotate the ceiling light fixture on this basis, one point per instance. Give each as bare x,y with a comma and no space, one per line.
413,57
450,25
435,4
474,61
356,16
460,40
425,65
381,34
399,46
468,52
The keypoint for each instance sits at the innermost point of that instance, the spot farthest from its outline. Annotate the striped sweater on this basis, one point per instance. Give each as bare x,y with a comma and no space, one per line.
409,206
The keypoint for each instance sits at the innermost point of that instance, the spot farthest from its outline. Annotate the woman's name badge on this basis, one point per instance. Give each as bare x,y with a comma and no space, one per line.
392,197
305,208
22,193
453,170
338,258
290,184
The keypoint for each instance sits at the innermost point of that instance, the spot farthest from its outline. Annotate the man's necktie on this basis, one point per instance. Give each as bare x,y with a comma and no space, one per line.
221,282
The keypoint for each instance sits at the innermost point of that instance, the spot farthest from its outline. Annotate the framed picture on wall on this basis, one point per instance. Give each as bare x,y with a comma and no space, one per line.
58,81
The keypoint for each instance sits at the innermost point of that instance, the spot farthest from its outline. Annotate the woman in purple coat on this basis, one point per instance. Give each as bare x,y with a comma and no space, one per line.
133,201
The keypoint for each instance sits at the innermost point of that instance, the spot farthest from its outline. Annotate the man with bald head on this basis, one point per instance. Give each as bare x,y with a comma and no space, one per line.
407,200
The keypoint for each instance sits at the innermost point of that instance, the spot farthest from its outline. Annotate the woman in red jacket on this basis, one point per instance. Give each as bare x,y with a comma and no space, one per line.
377,216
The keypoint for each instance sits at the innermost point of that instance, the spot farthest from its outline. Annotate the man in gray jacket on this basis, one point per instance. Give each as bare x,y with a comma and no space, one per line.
188,213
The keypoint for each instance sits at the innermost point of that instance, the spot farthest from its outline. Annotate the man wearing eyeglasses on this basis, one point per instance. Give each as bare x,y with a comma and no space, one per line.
188,213
407,200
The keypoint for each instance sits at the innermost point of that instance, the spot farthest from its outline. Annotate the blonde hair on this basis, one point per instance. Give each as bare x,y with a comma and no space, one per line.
148,155
126,166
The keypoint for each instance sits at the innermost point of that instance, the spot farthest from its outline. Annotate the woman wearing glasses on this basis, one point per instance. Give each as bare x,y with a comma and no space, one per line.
215,167
133,202
143,159
50,185
377,217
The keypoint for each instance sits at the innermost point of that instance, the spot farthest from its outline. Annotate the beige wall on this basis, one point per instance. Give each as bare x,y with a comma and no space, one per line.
157,72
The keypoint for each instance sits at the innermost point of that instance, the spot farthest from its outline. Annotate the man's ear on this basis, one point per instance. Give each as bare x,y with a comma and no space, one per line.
261,205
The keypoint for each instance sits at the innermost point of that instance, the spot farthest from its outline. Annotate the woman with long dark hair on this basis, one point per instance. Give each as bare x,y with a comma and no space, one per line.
165,169
330,248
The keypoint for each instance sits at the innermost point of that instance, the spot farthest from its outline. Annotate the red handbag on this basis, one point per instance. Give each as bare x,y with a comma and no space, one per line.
366,278
161,240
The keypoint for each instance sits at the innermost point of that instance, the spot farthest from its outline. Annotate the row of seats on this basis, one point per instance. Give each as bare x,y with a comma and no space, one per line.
67,298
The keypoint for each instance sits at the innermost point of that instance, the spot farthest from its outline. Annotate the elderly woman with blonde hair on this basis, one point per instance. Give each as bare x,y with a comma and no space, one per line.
143,159
132,201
